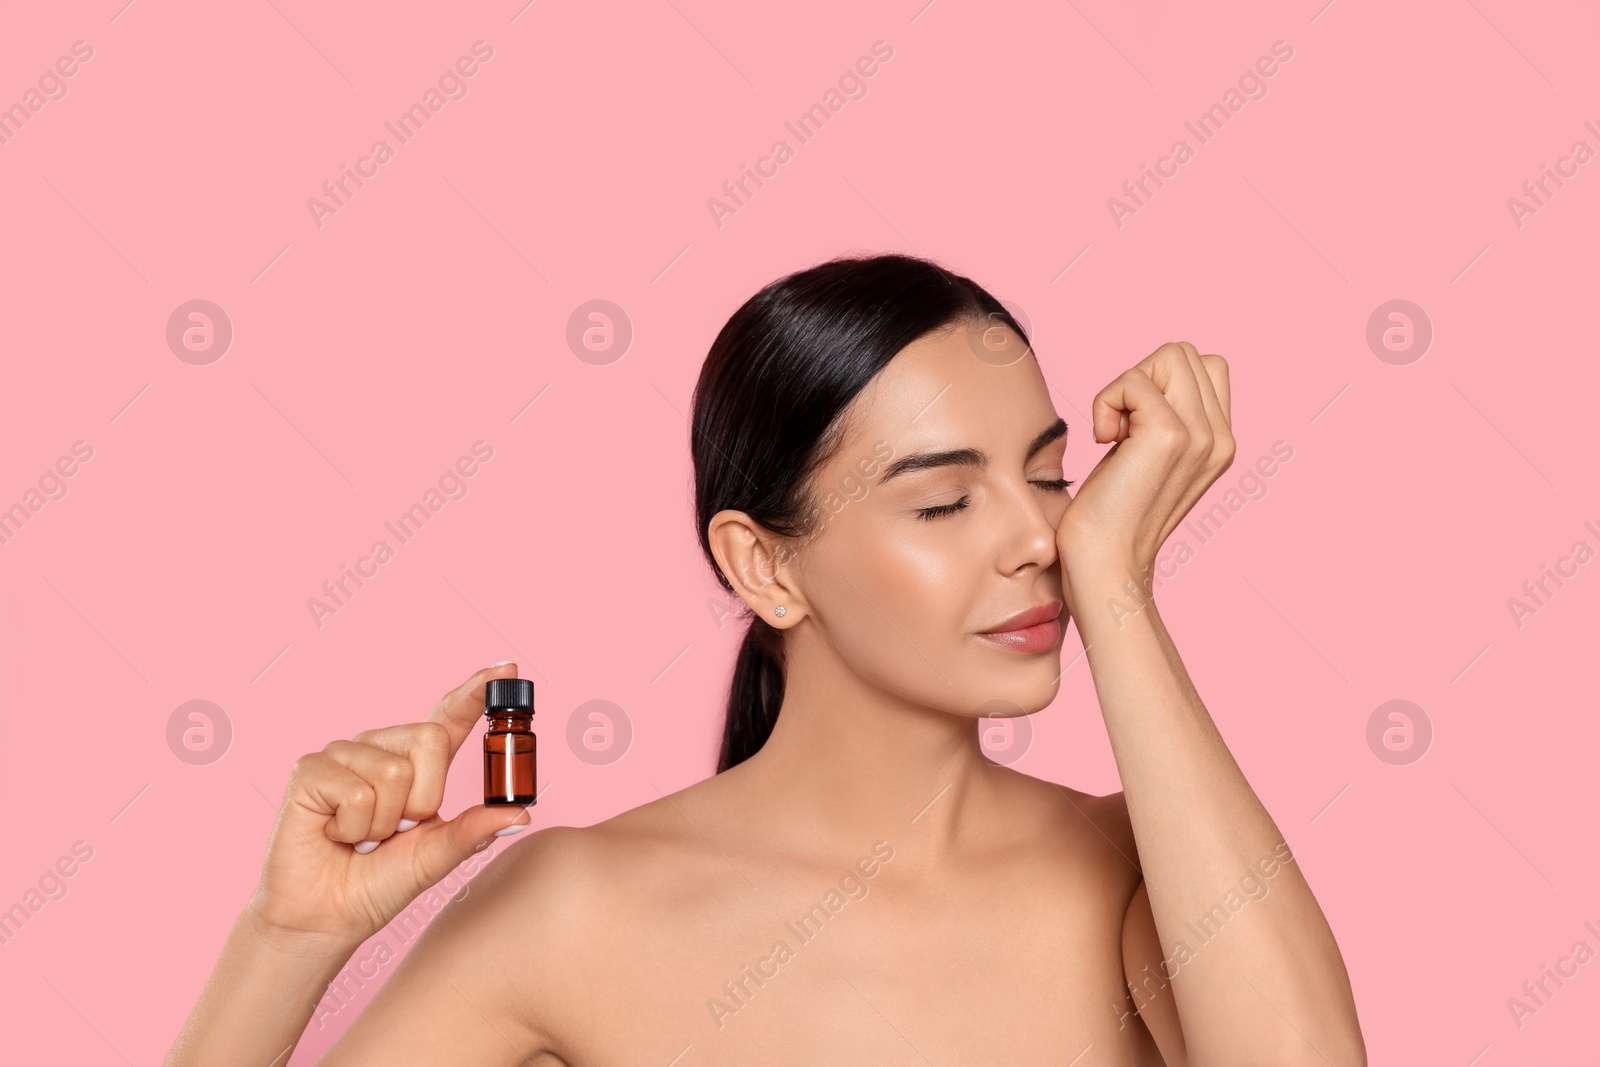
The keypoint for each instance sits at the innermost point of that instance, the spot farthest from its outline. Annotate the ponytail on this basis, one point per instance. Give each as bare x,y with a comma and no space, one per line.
756,694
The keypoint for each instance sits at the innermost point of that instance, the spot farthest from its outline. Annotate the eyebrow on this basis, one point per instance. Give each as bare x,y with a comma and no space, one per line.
965,457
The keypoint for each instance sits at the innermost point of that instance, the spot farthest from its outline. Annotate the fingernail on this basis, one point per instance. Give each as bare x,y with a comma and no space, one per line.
509,830
502,663
406,824
366,846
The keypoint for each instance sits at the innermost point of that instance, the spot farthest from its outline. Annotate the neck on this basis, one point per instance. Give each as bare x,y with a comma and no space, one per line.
852,764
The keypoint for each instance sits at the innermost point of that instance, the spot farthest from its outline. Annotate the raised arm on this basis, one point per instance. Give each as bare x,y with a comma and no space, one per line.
357,839
1267,985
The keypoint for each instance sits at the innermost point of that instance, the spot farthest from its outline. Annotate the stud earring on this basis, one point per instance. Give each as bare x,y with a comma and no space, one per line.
780,611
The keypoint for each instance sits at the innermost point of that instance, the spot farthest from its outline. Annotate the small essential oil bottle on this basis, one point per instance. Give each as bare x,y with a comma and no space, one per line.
509,771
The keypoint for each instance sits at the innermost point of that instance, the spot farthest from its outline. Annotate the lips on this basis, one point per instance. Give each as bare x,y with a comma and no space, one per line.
1033,631
1024,619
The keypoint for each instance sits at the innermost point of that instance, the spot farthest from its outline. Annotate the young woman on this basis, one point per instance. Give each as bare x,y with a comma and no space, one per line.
878,476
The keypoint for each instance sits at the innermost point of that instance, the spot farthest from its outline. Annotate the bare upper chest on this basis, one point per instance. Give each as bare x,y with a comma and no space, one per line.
1014,964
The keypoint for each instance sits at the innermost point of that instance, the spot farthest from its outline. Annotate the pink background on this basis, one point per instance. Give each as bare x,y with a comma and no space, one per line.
432,309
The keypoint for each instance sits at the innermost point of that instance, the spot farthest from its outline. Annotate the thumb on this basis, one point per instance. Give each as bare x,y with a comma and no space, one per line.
446,846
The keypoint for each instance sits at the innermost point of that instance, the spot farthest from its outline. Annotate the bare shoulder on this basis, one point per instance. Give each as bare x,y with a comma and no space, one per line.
573,873
556,911
628,869
1109,813
1094,829
509,946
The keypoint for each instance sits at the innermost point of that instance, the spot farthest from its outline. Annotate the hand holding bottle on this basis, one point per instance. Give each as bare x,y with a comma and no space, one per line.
359,835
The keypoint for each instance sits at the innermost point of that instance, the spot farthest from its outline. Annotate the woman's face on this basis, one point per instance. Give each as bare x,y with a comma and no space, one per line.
918,553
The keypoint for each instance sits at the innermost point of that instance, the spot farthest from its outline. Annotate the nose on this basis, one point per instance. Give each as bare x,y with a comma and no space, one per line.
1026,533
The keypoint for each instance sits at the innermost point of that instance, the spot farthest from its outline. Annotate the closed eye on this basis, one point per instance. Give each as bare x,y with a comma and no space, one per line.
942,509
929,514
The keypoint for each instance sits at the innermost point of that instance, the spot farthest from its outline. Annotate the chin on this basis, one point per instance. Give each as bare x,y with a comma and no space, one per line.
1006,698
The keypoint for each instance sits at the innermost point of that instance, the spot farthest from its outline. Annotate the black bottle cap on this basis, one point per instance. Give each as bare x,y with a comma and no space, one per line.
502,693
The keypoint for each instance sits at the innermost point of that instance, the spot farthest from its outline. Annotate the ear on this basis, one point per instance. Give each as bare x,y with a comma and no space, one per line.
759,565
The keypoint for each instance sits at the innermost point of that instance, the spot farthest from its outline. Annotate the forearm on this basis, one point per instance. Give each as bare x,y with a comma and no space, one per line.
259,998
1257,974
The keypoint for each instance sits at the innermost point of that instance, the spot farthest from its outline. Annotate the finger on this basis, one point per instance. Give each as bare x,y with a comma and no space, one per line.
460,710
442,848
1130,401
344,799
1223,446
389,776
1169,367
427,746
1217,371
1208,393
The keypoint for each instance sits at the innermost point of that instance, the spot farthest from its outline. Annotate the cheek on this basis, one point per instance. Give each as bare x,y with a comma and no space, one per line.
923,564
887,583
933,568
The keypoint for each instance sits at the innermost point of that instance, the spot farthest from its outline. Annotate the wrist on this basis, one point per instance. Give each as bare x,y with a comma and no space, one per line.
1106,590
285,941
1102,571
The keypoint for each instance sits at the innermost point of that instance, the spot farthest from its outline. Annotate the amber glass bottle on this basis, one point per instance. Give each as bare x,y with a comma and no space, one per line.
509,770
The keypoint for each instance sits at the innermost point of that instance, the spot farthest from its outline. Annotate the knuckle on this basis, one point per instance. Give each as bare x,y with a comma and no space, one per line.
456,692
431,735
306,766
1173,435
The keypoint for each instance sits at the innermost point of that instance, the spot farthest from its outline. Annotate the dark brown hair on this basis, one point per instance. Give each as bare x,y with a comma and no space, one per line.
766,417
